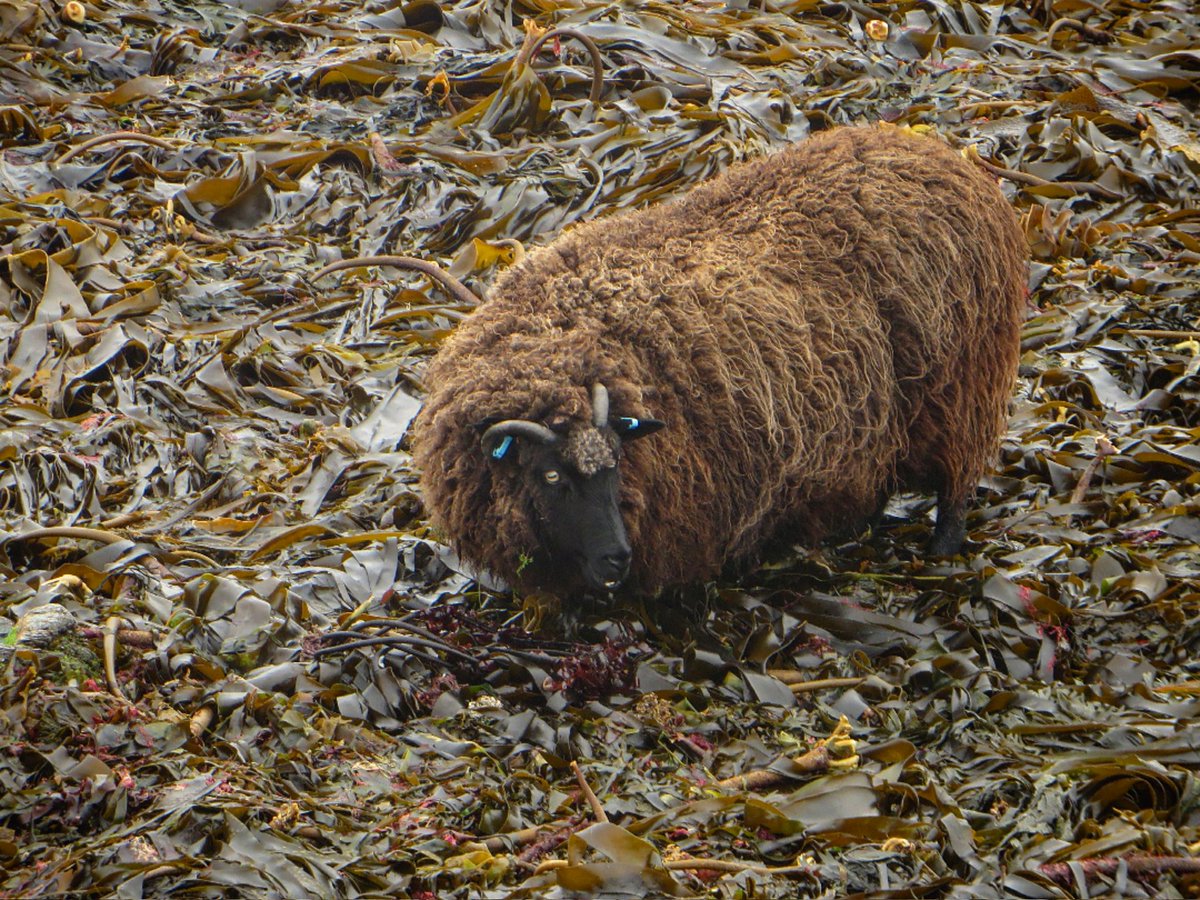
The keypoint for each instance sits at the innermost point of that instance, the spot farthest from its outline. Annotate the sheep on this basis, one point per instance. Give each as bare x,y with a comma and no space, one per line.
812,331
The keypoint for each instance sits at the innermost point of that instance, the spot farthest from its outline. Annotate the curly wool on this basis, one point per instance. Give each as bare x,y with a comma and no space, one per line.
817,328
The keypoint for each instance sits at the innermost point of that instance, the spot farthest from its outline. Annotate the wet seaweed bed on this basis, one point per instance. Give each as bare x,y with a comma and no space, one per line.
235,660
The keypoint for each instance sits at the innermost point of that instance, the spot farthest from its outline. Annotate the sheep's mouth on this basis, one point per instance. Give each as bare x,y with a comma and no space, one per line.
604,585
603,579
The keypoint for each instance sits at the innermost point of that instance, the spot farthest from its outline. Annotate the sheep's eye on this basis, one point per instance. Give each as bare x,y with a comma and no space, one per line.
552,476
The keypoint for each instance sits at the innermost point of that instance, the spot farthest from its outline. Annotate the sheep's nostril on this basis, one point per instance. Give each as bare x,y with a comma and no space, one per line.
608,570
617,561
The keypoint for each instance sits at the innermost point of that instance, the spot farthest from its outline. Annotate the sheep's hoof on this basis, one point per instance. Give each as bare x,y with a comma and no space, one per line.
946,544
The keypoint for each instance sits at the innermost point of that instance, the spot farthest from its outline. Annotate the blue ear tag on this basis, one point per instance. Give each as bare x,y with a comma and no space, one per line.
630,423
502,447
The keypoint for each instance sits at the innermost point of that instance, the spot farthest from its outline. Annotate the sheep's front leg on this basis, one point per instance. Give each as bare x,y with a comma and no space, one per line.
951,528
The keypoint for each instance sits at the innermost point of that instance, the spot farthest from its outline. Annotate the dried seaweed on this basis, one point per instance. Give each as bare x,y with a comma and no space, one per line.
234,656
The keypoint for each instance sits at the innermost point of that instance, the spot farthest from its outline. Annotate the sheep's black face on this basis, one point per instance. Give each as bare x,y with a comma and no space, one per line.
574,488
578,520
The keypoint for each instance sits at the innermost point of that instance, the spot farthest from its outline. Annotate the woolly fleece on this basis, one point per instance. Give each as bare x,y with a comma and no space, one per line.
818,328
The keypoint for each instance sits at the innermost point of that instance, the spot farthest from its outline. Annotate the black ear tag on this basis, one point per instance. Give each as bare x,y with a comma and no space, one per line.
630,428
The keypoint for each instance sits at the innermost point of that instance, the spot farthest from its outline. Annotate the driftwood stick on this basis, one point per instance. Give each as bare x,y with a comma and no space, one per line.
589,794
837,751
498,842
123,137
100,536
1162,335
128,637
77,532
814,762
1080,187
1180,687
548,841
537,840
823,684
1099,866
200,721
111,624
178,556
800,684
456,288
697,863
732,865
1104,448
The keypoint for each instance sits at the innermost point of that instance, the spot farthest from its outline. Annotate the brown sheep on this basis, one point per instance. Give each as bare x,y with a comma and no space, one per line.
816,329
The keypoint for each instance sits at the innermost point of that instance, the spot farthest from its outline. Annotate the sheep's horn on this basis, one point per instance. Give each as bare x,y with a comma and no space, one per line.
495,437
599,405
457,289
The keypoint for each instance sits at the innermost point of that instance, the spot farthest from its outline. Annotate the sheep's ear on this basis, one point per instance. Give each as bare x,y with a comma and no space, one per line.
631,429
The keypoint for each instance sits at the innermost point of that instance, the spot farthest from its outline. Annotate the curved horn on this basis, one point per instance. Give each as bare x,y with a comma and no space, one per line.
456,288
599,405
494,438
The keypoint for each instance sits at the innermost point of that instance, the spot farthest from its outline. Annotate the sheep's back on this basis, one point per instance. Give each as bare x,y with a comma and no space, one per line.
928,241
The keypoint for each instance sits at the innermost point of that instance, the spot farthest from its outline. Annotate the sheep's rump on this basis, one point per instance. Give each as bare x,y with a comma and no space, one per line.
817,328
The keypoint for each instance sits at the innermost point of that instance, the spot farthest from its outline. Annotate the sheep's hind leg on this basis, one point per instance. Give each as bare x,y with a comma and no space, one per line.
951,528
